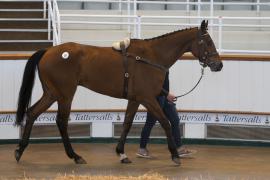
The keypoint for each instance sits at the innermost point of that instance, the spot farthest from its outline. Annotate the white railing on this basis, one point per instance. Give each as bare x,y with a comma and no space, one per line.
54,22
140,21
199,4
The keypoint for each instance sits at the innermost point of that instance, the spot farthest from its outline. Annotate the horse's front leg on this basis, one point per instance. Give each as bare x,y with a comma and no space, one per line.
154,108
132,108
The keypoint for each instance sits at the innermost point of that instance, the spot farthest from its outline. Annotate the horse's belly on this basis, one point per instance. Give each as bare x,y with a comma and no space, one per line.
106,79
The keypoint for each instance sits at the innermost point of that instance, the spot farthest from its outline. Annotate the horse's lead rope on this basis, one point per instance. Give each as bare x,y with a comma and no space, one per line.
202,73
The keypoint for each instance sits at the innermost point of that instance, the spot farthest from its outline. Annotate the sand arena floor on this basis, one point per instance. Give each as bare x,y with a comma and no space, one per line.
210,162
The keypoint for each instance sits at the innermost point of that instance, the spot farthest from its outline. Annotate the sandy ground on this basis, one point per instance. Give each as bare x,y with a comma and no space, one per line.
210,162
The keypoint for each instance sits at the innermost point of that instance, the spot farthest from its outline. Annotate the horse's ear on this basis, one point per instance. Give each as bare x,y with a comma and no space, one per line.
203,26
206,25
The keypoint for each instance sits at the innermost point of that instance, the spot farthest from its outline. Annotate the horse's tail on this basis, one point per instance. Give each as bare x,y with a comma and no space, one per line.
27,85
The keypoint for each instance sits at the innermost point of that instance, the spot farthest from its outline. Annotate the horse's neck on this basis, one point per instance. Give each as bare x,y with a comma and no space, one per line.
171,47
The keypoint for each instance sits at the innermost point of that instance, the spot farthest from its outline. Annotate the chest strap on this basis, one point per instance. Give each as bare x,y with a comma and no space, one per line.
126,74
138,59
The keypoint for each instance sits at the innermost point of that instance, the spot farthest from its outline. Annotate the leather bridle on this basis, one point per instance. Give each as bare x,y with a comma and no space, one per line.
204,55
204,59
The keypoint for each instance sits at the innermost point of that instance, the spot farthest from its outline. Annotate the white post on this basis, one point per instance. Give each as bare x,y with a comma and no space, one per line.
211,15
135,20
120,6
54,25
139,36
128,12
258,7
220,33
49,19
187,7
199,10
58,23
199,7
135,7
44,9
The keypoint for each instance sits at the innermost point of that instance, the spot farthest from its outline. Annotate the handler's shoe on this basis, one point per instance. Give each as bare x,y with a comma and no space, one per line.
143,153
183,152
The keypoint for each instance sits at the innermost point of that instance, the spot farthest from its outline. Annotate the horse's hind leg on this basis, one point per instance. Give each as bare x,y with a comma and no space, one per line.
39,107
62,123
130,113
154,108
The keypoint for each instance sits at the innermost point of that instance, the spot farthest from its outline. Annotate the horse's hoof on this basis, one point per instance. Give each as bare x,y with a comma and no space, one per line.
176,160
80,161
18,155
126,161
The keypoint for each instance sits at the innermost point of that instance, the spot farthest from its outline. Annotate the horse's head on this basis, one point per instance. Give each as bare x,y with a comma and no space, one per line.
204,49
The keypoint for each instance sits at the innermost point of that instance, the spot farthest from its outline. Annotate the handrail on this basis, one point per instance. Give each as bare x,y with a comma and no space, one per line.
170,2
57,14
215,21
54,21
139,22
186,56
199,3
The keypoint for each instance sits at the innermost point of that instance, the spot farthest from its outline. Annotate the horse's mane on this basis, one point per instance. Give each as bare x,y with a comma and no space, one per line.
167,34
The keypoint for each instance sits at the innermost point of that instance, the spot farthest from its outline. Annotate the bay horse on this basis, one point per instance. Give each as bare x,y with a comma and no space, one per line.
101,69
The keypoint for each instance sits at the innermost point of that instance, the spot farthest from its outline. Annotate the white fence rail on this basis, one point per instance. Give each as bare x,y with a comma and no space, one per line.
210,5
138,22
54,21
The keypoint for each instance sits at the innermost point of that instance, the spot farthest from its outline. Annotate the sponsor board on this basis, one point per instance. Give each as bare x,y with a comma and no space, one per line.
185,117
221,118
77,117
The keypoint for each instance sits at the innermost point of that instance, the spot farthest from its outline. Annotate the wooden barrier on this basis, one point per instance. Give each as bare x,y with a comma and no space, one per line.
186,56
234,57
14,56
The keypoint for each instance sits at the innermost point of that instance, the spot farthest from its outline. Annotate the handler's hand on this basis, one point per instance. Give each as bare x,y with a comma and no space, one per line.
171,97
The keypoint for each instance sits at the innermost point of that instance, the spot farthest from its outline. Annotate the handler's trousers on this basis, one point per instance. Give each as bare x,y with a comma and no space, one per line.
171,113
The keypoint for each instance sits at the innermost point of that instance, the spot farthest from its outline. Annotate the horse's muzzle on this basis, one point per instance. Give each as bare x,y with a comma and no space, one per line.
216,66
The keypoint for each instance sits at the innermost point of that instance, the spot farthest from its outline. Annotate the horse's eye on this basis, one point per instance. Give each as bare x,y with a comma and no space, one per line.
201,41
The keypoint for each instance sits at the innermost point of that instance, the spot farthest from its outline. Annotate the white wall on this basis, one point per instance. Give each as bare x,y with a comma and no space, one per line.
240,86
